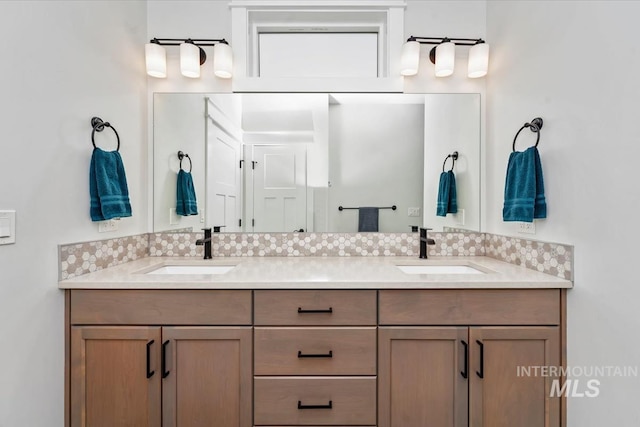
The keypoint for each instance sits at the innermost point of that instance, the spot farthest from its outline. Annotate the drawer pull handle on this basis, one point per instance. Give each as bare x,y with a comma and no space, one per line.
300,355
302,311
165,372
481,372
327,406
465,373
149,371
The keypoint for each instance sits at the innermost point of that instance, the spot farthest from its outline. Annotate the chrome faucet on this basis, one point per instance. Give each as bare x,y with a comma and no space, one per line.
424,241
206,242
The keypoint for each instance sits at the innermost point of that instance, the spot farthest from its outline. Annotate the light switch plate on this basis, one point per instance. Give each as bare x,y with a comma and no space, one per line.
7,227
108,226
413,212
526,227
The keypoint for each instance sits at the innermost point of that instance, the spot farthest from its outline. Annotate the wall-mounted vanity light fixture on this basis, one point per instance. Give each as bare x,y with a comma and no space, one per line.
443,55
192,56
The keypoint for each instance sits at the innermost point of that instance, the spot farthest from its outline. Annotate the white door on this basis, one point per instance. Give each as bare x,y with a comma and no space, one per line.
224,179
279,188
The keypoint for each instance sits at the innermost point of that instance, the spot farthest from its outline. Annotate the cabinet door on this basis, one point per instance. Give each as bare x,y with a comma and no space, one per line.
421,377
499,397
115,378
207,376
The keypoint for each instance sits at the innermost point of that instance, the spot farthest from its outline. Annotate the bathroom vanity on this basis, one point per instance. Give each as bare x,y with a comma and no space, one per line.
306,341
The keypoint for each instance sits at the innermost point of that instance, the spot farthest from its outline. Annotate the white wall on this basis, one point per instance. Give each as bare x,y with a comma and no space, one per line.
576,65
62,63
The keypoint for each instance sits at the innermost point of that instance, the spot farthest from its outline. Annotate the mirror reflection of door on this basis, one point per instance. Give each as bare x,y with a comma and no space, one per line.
279,188
224,178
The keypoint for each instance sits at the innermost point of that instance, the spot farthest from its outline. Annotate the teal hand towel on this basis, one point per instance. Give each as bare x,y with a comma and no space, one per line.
524,187
186,195
108,186
447,195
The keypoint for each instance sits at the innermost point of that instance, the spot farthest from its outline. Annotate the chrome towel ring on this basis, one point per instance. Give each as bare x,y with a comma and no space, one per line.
98,126
534,126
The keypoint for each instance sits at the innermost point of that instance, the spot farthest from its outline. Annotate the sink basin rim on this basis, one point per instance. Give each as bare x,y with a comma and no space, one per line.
440,269
190,269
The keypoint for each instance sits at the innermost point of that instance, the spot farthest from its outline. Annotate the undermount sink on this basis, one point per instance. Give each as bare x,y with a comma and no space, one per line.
439,269
192,269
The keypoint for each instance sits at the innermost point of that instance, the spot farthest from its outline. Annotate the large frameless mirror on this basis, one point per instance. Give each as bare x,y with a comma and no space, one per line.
283,162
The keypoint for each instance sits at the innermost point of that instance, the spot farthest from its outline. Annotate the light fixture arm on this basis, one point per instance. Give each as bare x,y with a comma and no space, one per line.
178,42
438,40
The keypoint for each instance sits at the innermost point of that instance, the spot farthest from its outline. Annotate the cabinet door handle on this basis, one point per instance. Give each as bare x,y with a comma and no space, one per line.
302,311
300,355
481,372
149,371
327,406
165,373
465,373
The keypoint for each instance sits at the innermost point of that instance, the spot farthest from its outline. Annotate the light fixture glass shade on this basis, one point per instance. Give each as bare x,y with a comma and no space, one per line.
222,60
156,59
445,59
478,60
190,60
410,58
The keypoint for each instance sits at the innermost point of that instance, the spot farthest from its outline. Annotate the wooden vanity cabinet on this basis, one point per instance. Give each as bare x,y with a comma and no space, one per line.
438,365
123,373
242,358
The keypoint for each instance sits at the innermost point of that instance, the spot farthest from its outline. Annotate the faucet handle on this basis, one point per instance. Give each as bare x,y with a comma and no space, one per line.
423,231
216,228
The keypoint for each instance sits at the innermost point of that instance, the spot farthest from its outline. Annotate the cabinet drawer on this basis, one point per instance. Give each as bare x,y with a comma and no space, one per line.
321,307
342,401
470,307
315,351
161,307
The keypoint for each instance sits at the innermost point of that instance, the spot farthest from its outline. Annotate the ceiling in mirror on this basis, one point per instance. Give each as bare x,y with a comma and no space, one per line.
282,162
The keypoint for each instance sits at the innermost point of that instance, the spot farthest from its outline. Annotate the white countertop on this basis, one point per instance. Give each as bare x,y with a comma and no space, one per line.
316,273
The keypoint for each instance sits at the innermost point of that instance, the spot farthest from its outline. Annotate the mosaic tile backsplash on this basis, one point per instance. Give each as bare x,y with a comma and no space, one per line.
316,244
551,258
287,244
83,258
